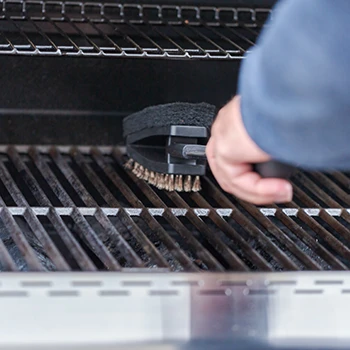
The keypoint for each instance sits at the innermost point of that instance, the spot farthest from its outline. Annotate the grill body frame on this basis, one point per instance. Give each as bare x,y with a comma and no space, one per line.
73,96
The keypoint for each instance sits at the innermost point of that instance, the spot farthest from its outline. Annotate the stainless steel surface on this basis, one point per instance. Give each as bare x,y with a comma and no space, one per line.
118,309
77,208
71,28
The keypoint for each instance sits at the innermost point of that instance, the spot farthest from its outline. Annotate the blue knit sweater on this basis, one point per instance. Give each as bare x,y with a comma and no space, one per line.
295,85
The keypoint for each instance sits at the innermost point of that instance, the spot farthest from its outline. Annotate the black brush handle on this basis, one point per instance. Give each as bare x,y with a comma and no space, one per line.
270,169
274,169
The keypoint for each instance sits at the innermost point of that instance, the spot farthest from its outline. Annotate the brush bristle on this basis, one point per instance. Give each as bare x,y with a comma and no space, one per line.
188,183
152,178
129,164
167,182
171,183
179,183
146,175
160,181
196,184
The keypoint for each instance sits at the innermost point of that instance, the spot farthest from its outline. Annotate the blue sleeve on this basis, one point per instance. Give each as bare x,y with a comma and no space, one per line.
295,85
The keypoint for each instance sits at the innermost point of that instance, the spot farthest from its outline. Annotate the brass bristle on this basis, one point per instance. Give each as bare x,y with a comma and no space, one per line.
152,178
146,174
156,177
196,184
188,183
141,172
160,182
166,182
135,168
129,164
171,183
178,183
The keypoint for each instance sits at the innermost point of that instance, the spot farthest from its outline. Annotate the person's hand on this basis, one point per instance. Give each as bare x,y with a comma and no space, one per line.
230,151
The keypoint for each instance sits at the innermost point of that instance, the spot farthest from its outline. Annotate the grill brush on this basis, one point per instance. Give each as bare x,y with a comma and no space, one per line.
166,146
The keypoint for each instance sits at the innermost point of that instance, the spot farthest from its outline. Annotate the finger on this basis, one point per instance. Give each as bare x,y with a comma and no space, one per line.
245,184
209,149
251,187
210,154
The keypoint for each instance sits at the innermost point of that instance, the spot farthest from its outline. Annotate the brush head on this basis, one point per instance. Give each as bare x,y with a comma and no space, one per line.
178,113
149,135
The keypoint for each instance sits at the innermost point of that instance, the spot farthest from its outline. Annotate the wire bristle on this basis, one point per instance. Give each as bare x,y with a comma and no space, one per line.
188,183
168,182
129,164
141,172
160,181
135,169
152,178
171,183
146,175
196,184
178,183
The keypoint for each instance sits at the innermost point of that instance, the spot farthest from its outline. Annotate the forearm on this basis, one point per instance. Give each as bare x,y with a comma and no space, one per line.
294,85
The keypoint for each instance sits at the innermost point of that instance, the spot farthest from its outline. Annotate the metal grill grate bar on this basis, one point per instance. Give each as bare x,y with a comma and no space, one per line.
196,247
133,200
33,221
85,230
254,230
20,240
76,208
109,228
75,249
203,254
309,241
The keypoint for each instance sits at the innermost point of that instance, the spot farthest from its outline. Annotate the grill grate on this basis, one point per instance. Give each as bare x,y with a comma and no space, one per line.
75,208
131,30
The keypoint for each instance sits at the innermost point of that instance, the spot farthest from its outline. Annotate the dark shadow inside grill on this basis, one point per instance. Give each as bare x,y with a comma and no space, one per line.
43,184
130,184
341,251
87,184
109,184
6,196
22,186
83,243
57,240
35,245
68,187
309,252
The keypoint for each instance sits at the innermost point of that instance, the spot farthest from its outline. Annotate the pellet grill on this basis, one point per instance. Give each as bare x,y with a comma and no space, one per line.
92,257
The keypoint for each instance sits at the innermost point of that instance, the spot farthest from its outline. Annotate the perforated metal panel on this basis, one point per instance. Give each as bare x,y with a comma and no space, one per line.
111,309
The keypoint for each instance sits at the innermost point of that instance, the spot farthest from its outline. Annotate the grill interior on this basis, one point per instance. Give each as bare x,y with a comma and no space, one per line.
68,208
54,28
76,208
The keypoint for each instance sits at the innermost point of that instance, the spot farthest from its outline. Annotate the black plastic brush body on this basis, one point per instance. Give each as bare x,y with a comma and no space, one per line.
166,146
